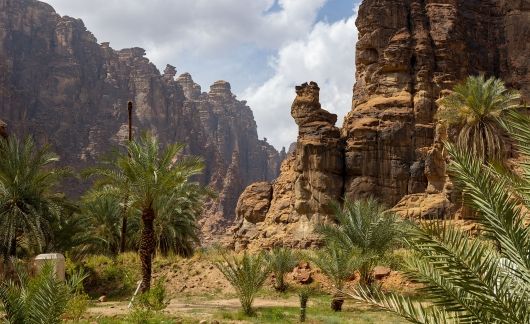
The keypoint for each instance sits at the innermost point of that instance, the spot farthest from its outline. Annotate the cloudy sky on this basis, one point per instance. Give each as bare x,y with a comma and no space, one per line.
262,47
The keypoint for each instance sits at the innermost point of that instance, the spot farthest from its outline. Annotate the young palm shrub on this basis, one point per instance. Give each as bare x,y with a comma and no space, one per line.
158,186
38,299
338,264
28,200
364,226
467,279
304,293
281,261
103,216
475,105
247,275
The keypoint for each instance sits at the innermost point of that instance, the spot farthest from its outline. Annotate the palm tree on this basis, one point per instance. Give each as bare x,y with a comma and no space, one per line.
103,214
281,261
476,105
468,279
247,275
37,299
363,226
176,231
338,264
157,184
28,200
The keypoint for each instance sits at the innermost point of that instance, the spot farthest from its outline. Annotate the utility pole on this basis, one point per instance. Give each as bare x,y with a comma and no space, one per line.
124,210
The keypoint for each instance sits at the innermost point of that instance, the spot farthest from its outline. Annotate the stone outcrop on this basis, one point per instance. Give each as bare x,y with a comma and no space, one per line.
409,54
58,84
311,177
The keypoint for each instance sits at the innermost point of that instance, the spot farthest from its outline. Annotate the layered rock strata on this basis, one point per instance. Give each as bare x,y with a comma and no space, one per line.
409,54
58,84
310,179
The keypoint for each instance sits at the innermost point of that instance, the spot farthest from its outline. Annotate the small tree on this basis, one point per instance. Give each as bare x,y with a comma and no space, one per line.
304,293
338,264
158,186
281,261
476,105
29,201
38,299
364,226
247,275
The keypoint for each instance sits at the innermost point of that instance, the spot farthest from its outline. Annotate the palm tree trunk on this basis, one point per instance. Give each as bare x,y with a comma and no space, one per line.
147,247
123,234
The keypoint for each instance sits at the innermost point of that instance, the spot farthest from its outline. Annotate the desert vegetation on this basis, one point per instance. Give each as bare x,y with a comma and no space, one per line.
138,220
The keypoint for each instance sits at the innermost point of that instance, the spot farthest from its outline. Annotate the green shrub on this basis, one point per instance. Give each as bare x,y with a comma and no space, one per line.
77,306
247,275
155,299
38,299
281,261
111,277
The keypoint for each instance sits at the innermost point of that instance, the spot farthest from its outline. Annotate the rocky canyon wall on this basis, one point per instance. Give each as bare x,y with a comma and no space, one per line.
409,54
58,84
310,179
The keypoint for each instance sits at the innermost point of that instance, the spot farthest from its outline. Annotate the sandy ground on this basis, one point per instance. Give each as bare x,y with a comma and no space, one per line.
188,305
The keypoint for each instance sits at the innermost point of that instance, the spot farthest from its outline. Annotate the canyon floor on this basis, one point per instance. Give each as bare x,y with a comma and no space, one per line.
269,309
197,292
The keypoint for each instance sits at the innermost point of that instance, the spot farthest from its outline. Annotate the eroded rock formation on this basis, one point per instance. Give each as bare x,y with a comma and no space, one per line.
409,54
59,84
310,178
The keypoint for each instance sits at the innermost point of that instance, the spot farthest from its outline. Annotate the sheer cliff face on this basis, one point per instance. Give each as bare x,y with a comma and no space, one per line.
409,54
311,177
59,84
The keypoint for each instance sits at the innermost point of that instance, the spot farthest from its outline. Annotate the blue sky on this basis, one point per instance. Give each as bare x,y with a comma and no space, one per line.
262,47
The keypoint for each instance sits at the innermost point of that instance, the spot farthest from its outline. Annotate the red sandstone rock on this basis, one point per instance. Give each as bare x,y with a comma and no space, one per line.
59,84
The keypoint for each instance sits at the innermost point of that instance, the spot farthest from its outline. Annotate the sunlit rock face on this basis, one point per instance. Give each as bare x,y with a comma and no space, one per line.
409,54
58,84
311,178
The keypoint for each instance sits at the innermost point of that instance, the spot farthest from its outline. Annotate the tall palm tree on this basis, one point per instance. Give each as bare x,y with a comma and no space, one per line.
28,200
468,279
475,105
365,227
158,182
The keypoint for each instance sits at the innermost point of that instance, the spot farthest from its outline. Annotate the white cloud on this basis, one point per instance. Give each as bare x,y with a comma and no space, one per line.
326,55
231,40
170,27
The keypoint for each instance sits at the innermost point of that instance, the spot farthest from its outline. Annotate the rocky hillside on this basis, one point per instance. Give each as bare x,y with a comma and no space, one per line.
409,54
60,85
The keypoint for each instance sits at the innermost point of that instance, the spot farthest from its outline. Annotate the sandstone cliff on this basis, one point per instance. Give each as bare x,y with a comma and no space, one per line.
311,178
409,53
59,84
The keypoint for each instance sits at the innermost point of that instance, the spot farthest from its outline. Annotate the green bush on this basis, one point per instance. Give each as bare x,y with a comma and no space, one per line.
113,277
281,261
77,306
247,275
155,299
38,299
